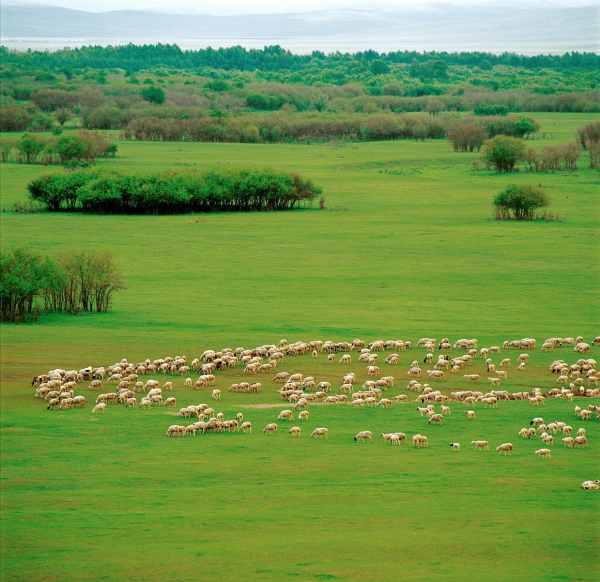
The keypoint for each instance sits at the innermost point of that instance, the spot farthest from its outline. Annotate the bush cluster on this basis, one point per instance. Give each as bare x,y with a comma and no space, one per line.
75,282
172,192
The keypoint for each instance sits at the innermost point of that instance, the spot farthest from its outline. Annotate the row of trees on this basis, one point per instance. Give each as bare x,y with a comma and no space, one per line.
275,58
506,154
79,149
251,129
74,282
173,192
468,134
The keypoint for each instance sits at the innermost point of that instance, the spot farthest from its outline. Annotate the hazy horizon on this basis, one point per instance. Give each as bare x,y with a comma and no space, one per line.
243,7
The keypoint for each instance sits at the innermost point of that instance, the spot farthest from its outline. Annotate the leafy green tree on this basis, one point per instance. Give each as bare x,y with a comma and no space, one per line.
520,202
154,95
379,67
503,153
29,148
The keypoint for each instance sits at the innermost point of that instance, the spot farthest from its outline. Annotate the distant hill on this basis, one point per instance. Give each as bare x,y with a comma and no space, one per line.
426,27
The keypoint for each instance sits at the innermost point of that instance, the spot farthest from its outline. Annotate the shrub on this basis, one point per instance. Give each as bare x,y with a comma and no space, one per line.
14,118
154,95
503,153
520,202
589,138
75,281
485,109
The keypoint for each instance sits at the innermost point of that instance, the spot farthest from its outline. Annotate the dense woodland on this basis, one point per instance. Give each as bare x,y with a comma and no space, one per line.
163,93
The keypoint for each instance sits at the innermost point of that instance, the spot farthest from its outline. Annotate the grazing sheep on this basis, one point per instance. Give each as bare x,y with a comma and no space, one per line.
99,407
216,394
401,398
505,448
331,359
586,415
472,377
364,435
295,431
246,427
270,428
581,432
286,415
568,442
436,419
303,415
320,432
547,439
591,484
580,441
481,445
420,441
455,446
543,453
470,414
521,367
170,402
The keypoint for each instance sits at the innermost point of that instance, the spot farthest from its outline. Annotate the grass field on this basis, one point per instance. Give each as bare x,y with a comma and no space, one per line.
406,250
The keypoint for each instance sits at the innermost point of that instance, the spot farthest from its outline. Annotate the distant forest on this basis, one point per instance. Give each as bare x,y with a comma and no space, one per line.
160,92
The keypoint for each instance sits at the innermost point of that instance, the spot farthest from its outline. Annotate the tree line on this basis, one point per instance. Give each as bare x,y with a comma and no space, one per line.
79,149
507,154
73,282
274,58
104,192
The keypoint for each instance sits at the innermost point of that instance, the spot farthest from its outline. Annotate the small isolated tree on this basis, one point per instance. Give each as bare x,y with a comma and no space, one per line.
153,95
520,202
503,153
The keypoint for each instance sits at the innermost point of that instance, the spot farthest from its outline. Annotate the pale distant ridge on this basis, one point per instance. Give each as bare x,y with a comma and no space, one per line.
448,27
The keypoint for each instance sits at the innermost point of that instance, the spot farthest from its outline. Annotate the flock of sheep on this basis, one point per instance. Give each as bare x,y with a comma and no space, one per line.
58,386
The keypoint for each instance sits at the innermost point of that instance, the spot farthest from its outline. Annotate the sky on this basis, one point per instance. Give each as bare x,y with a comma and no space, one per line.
271,6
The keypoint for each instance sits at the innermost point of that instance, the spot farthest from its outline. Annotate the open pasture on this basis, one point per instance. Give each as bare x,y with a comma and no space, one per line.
407,249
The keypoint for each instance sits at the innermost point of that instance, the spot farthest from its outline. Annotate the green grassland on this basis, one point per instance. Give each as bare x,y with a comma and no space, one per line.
405,249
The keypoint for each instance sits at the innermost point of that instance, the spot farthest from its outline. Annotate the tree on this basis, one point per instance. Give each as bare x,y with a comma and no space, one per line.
29,148
503,153
434,106
379,67
62,115
153,94
520,202
466,135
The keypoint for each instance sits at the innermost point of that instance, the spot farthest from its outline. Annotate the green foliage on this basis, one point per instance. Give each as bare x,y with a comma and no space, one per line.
486,109
74,281
520,202
154,95
172,193
14,118
29,147
503,153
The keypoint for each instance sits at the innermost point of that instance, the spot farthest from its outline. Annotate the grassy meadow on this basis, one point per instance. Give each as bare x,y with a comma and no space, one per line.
405,249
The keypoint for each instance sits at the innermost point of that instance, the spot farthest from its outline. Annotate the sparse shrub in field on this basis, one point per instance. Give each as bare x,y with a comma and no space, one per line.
503,153
553,157
519,202
589,138
29,148
173,192
466,135
6,147
76,281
